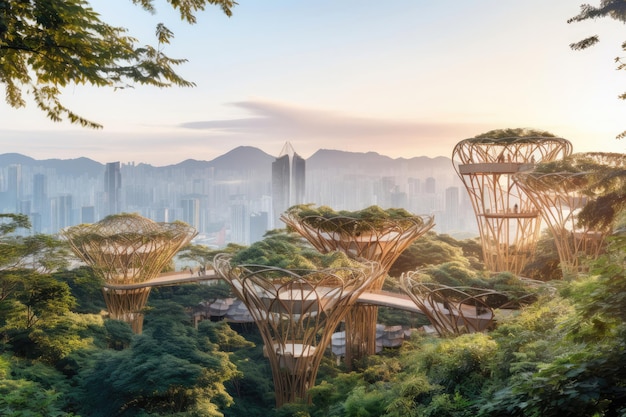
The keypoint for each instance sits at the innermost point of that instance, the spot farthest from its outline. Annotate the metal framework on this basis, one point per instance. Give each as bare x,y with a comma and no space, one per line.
508,221
126,249
380,241
296,315
561,195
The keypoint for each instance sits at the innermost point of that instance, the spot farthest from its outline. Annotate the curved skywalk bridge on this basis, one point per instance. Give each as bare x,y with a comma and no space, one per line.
378,298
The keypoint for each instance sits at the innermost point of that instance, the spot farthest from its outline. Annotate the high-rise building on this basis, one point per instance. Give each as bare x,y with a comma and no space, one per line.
112,188
61,212
14,188
239,220
40,193
288,182
191,212
451,220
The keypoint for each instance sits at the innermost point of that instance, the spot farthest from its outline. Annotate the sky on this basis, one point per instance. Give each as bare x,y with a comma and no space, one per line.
403,78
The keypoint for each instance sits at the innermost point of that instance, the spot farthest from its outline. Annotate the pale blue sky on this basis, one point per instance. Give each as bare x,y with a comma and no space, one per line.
403,78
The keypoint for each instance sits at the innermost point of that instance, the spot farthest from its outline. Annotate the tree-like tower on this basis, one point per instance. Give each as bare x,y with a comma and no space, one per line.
509,223
564,189
126,249
450,310
372,234
296,315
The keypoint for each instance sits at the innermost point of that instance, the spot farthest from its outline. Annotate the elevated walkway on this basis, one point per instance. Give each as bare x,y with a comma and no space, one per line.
378,298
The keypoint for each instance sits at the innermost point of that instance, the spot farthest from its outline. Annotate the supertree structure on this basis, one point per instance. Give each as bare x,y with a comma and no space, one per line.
563,189
372,234
509,223
296,313
450,310
454,310
127,249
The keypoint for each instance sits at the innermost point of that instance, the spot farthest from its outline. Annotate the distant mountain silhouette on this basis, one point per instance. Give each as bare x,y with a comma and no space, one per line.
70,167
328,159
248,159
244,157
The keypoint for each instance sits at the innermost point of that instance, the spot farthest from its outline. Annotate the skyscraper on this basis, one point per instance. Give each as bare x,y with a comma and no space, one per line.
112,188
288,182
40,193
191,211
14,188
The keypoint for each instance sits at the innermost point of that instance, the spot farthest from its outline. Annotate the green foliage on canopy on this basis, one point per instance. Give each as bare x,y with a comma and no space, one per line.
360,220
30,389
436,249
203,255
512,134
600,176
46,46
169,369
43,253
86,288
545,264
289,251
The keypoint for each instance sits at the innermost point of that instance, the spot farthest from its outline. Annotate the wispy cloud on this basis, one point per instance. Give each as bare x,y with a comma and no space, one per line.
313,129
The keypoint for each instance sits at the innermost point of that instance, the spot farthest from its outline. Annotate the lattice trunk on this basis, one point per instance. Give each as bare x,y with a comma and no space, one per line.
124,250
561,198
452,310
381,242
509,222
296,316
127,305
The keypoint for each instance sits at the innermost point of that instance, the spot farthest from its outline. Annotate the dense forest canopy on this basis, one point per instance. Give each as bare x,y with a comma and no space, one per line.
59,355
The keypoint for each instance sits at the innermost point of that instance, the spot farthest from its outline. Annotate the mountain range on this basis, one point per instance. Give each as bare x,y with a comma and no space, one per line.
248,159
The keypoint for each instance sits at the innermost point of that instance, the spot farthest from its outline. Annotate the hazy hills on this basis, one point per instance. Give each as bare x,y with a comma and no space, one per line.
249,159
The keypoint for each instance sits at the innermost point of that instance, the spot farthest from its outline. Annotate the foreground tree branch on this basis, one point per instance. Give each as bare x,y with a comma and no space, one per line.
46,45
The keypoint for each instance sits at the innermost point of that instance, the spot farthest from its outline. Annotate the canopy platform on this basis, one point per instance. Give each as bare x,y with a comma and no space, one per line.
508,221
296,314
380,240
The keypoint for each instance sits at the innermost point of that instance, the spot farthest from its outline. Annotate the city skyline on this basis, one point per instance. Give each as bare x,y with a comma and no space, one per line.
403,80
231,200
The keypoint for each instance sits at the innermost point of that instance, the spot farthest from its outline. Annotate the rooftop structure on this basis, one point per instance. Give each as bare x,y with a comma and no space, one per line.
288,181
508,221
376,237
126,249
562,189
296,314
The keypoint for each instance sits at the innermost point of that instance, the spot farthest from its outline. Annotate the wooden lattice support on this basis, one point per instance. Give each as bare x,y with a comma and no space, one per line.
509,223
452,310
126,249
127,305
381,241
296,315
561,195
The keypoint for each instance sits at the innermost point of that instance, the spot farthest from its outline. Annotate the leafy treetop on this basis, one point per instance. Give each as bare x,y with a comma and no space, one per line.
46,45
359,219
595,174
614,9
511,135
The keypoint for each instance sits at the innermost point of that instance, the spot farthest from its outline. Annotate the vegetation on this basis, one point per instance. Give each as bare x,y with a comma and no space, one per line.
562,355
369,218
601,176
512,135
289,251
47,45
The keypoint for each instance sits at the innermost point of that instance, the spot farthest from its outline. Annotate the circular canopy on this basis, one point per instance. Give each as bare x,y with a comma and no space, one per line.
128,248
